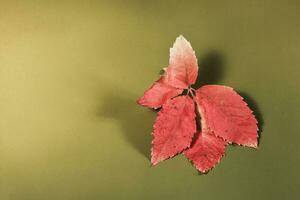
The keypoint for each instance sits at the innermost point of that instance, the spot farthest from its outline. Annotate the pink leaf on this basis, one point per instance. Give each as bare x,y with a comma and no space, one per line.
227,115
173,129
183,68
206,151
158,94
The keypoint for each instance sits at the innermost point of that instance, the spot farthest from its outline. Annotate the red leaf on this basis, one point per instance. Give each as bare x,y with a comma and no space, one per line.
206,152
227,115
173,128
158,94
183,68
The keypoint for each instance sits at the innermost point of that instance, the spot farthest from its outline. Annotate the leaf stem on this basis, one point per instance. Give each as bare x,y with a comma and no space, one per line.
192,93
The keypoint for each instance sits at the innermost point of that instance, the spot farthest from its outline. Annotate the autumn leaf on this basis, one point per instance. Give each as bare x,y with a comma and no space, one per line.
206,151
173,129
224,118
227,115
183,68
180,74
158,94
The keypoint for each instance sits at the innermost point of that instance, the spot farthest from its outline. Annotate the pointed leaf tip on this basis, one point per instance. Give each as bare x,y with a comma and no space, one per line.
158,94
183,68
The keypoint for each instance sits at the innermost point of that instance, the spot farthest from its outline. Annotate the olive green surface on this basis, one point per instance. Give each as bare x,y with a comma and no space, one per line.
70,74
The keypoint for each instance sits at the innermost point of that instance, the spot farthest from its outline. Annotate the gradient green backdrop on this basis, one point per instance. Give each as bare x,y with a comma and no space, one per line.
71,71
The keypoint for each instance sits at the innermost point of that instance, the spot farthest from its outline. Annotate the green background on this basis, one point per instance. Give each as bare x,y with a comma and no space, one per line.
71,71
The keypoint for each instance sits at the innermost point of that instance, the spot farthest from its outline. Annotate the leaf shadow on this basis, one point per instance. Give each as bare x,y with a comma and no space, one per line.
134,121
211,68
